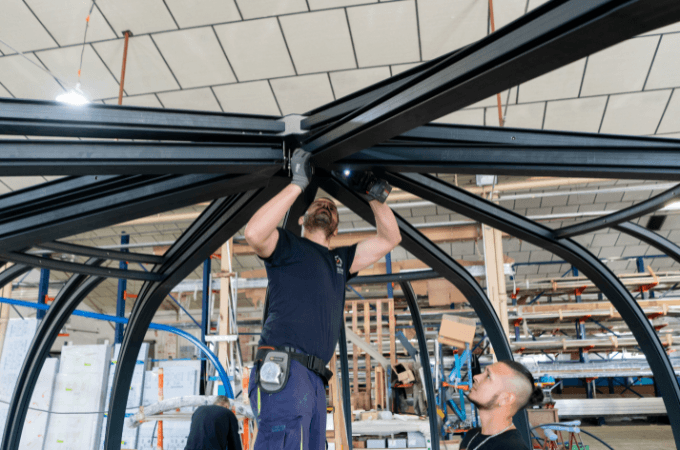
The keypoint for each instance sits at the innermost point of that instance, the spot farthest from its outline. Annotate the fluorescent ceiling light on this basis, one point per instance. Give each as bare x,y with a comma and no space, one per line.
74,97
671,207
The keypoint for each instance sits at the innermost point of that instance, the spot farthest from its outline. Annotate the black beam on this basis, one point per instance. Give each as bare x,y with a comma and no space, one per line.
624,215
115,202
549,37
49,118
67,300
8,275
460,134
57,157
75,249
214,226
395,277
651,163
483,211
66,266
429,253
657,241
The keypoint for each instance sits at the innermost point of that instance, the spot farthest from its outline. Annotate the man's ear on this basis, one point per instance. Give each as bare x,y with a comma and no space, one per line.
507,398
301,220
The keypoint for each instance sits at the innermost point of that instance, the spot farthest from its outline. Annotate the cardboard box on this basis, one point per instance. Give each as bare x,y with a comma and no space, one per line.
442,292
369,415
457,331
358,444
404,375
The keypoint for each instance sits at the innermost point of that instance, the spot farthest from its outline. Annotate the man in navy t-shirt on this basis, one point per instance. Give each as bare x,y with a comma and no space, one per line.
306,302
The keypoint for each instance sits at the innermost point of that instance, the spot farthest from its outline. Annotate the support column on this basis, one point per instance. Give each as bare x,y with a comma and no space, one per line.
43,289
495,274
388,269
122,287
205,318
4,309
225,303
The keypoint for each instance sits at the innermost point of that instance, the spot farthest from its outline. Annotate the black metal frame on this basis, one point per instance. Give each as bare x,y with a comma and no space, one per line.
238,160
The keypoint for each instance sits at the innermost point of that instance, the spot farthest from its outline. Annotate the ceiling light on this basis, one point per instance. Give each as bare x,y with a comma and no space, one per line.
73,97
671,207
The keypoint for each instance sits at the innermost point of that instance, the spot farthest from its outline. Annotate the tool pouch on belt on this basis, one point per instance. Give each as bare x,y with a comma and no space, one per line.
274,371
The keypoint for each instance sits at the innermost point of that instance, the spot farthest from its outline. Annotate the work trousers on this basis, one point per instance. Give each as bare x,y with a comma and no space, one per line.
295,417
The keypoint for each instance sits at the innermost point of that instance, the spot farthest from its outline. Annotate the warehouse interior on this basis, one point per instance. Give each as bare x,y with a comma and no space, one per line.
279,63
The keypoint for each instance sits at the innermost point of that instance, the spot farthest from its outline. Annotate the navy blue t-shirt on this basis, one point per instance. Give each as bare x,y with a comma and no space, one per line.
306,295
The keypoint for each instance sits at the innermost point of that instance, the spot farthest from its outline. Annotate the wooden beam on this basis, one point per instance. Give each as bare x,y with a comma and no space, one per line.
4,309
355,357
495,275
367,336
225,304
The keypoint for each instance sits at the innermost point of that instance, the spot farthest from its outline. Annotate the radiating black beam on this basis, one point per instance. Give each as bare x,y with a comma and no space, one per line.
129,198
472,206
214,226
660,163
17,270
67,300
49,118
657,241
29,157
440,133
624,215
428,252
549,37
75,249
395,277
71,267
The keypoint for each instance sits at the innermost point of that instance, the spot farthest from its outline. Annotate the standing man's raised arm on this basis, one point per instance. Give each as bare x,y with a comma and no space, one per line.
370,250
261,232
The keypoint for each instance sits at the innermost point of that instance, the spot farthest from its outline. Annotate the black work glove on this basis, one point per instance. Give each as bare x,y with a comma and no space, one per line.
301,168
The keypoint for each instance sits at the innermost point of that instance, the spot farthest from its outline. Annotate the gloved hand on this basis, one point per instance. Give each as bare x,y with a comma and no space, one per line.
301,168
377,190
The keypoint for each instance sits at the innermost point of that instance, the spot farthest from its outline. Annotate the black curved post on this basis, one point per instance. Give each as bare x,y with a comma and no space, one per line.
67,300
17,270
654,239
217,224
475,207
412,302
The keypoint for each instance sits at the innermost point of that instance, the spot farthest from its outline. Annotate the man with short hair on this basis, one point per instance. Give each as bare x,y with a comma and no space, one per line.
306,310
499,392
214,427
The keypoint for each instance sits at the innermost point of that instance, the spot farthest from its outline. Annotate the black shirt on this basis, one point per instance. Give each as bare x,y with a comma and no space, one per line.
213,427
306,295
510,440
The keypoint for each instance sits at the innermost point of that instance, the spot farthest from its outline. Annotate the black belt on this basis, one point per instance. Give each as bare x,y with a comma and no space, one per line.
316,365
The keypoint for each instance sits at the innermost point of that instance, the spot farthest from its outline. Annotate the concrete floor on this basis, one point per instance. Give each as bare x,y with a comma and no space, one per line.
630,437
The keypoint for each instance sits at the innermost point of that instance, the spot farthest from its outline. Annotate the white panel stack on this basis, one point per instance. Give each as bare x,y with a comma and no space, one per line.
79,387
129,439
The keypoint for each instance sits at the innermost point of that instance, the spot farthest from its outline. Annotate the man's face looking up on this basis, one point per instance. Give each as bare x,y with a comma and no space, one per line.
322,214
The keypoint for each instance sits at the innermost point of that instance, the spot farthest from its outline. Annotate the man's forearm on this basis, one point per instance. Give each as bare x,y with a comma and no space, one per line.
264,221
385,222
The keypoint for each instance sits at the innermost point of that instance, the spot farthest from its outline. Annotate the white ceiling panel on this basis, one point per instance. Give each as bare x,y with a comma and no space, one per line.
671,135
464,117
297,95
621,68
24,80
665,72
507,11
146,100
535,4
247,98
95,81
145,70
581,114
326,4
319,41
194,99
447,25
256,49
671,118
386,33
402,67
4,92
635,114
147,16
561,83
4,189
493,100
519,116
349,81
673,28
195,57
251,9
203,12
20,29
16,183
65,20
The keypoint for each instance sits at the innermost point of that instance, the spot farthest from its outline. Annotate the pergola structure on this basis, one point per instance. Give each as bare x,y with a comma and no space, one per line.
167,159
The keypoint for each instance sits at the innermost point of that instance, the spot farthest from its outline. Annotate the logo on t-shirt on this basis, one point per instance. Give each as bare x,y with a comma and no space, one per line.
338,264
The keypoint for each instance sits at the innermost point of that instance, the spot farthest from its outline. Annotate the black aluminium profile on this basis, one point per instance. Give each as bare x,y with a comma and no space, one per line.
65,157
67,300
50,118
651,163
477,208
214,226
546,38
86,269
624,215
429,253
75,249
395,277
9,274
648,236
156,195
